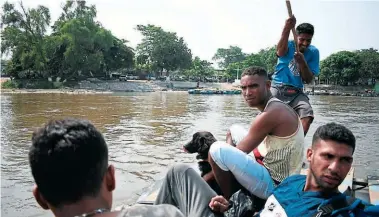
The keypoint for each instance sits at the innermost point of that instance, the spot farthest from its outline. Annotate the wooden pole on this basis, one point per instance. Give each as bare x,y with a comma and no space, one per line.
289,9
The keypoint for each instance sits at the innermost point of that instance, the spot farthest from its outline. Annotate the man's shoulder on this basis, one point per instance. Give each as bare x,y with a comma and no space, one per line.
275,105
290,185
313,50
293,180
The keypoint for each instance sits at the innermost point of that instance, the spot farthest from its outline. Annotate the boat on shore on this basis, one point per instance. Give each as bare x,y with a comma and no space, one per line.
214,91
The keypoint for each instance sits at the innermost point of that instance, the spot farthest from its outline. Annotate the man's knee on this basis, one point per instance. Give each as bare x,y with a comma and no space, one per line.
216,153
306,122
178,169
308,119
216,148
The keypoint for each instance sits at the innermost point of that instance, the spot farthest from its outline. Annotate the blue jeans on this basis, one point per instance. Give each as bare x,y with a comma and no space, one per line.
247,171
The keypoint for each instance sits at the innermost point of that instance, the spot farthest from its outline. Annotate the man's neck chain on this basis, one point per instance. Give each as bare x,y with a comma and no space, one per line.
96,211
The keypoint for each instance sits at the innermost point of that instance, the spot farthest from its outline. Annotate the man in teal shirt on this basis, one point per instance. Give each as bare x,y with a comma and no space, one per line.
294,68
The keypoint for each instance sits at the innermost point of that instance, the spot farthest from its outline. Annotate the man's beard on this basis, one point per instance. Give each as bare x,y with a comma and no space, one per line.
322,185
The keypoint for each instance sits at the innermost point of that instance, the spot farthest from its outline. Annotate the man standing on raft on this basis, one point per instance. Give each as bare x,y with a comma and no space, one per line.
295,66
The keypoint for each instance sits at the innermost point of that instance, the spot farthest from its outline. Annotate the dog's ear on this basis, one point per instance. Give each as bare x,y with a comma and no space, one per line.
203,145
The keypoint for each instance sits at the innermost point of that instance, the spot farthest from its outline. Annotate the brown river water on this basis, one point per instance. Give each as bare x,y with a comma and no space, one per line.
145,133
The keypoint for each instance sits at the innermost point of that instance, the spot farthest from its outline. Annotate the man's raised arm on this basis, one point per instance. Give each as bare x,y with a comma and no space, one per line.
282,47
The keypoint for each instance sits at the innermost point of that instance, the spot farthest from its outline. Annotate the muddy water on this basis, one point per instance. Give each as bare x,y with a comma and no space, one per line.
145,133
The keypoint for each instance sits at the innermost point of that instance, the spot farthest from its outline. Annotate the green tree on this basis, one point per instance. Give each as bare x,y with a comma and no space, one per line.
265,58
161,50
269,58
341,68
200,68
227,56
23,38
79,46
250,60
370,63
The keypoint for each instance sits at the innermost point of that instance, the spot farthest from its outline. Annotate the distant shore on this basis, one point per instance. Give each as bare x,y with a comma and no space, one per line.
87,91
64,91
95,86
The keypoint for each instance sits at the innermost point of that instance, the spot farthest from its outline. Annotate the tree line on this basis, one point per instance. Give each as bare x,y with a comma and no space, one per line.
77,46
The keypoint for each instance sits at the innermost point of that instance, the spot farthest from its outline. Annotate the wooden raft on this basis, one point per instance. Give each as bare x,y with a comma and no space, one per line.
373,189
151,194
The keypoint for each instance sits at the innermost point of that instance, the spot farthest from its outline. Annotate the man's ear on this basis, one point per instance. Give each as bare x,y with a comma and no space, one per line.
39,198
110,178
309,154
268,84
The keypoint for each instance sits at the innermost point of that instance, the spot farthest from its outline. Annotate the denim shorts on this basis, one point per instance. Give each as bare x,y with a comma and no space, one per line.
247,171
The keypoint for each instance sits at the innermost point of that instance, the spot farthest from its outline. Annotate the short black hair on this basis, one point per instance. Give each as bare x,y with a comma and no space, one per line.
306,28
255,70
68,160
334,132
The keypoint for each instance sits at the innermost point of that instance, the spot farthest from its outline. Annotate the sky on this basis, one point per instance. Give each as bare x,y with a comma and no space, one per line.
207,25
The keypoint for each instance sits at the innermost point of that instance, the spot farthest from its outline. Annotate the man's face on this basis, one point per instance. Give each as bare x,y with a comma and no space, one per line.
254,89
304,40
330,162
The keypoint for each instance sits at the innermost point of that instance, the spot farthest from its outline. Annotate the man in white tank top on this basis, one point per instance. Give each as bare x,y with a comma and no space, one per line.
278,133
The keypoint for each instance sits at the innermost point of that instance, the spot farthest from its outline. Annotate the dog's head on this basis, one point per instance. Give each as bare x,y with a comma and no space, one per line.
200,143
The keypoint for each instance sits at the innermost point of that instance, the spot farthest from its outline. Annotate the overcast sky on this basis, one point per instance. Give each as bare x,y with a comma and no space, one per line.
250,24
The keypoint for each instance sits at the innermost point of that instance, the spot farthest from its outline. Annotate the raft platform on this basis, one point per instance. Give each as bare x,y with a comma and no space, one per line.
364,189
214,91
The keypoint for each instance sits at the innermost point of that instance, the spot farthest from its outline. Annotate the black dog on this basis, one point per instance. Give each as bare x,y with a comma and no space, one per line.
201,143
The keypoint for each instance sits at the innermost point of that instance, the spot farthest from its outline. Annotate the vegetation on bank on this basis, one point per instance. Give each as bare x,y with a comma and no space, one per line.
79,47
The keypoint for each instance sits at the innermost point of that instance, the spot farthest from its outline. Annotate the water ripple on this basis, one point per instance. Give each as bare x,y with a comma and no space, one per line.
145,133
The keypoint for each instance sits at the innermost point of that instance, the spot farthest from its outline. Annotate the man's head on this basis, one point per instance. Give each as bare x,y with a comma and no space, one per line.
330,156
69,163
305,33
255,86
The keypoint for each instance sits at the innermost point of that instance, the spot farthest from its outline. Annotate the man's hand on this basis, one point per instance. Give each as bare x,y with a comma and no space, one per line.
290,23
209,177
219,204
299,58
305,72
282,47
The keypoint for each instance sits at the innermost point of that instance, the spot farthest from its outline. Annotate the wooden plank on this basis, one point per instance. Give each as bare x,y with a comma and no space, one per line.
347,182
151,194
373,189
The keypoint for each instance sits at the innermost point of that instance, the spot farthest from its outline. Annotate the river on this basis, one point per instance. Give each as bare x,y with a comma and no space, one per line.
145,133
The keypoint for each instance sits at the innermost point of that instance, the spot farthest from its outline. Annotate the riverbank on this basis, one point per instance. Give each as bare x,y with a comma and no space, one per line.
334,93
335,90
63,91
96,86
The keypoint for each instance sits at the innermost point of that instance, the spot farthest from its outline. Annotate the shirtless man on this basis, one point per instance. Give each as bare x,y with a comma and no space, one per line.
278,132
294,68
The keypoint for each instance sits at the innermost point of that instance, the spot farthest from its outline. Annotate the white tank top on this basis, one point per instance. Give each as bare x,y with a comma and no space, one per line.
283,156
